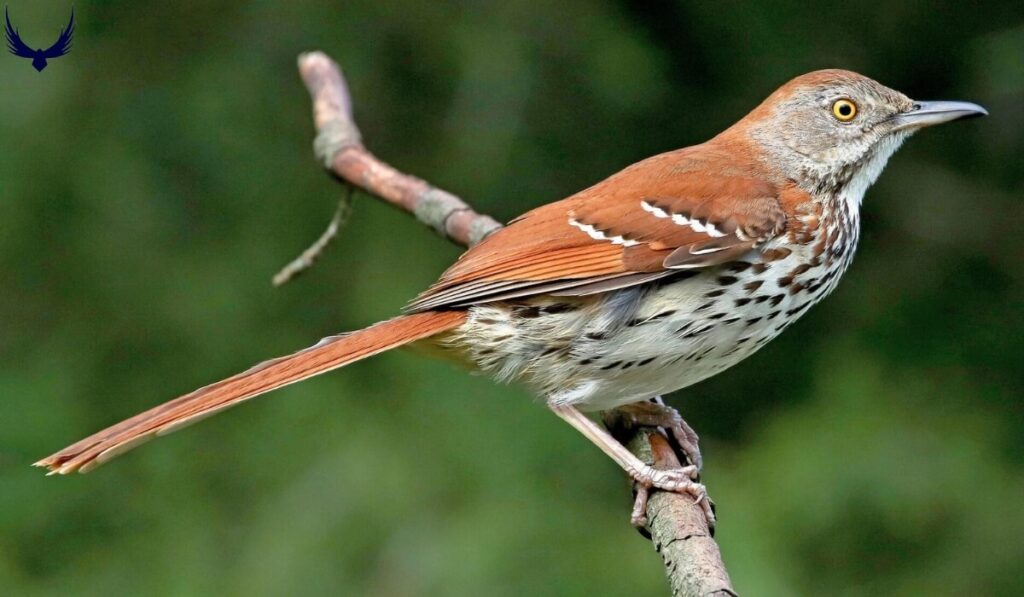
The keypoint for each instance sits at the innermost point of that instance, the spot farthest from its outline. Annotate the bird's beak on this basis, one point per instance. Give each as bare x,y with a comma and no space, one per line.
924,114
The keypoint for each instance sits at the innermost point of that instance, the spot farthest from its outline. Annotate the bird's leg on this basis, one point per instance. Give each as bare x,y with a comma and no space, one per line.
677,480
655,413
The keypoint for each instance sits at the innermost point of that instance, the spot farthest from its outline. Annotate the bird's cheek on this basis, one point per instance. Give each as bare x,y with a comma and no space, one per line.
799,145
825,156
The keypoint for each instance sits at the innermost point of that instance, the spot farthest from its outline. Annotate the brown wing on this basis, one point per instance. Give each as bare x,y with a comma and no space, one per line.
686,209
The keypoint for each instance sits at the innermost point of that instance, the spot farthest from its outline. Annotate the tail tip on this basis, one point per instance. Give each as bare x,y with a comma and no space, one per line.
55,466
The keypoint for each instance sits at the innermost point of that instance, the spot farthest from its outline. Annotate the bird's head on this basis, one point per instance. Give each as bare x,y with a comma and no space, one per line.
834,130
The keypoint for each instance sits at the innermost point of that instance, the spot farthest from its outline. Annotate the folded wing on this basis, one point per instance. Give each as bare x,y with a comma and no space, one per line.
687,209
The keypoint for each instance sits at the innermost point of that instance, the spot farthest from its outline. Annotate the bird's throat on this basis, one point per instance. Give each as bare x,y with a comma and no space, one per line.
866,172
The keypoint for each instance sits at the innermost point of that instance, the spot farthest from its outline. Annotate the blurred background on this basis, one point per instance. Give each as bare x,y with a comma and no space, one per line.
154,179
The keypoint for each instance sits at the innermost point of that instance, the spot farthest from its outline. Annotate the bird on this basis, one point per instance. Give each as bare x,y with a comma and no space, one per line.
668,272
17,47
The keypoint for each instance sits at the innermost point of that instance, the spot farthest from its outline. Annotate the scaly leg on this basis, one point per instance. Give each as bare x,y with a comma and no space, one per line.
679,480
655,413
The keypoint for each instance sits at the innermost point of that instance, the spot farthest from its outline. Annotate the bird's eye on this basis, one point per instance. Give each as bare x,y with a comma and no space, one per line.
844,110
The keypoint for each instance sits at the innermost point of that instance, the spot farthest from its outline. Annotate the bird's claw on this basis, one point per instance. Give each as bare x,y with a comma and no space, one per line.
672,479
680,480
658,414
638,517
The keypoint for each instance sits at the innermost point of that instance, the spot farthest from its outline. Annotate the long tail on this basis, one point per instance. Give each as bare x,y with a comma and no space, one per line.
329,353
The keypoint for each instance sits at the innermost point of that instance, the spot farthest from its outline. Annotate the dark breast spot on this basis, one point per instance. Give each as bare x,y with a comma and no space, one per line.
528,312
752,287
776,254
698,331
797,310
646,320
557,308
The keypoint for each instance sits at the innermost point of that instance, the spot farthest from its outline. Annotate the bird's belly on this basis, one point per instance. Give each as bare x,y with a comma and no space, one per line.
703,335
629,345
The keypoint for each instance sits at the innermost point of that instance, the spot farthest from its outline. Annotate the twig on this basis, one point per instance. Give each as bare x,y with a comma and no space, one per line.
676,524
307,258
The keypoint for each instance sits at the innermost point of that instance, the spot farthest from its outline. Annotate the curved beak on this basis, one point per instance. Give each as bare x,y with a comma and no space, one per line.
924,114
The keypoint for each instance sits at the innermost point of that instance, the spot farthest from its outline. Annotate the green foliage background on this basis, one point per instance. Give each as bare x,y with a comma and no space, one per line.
154,179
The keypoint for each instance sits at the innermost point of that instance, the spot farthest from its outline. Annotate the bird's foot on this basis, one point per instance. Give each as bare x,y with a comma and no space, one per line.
680,480
677,479
658,414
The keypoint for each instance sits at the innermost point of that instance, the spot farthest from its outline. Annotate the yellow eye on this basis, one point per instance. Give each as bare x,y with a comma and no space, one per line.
844,110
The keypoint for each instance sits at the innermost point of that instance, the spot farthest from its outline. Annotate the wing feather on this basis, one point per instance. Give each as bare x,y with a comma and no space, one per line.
688,209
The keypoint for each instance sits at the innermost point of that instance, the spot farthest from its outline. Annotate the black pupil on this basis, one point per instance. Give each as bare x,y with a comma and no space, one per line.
844,109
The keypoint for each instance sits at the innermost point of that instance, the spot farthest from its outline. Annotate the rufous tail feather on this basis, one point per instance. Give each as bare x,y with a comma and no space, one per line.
330,353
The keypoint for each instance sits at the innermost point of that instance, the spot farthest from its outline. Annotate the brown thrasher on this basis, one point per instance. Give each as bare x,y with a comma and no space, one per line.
664,274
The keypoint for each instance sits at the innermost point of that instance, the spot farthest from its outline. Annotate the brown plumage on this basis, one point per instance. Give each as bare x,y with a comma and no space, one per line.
667,272
720,183
330,353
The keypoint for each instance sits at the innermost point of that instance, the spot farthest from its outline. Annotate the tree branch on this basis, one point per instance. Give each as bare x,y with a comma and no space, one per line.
678,528
339,147
676,525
